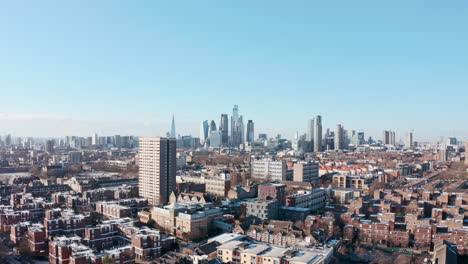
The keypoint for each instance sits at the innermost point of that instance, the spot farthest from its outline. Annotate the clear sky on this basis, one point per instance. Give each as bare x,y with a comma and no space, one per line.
79,67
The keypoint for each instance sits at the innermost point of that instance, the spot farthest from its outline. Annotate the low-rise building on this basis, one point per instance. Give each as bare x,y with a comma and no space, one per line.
306,172
263,209
268,169
315,199
187,220
272,191
239,252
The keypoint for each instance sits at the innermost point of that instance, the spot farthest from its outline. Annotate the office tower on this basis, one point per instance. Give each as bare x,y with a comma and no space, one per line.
237,128
157,173
263,136
310,130
339,137
215,139
386,137
238,132
117,141
451,141
126,142
355,139
392,138
88,142
95,140
409,140
173,132
49,147
443,154
8,140
250,131
360,139
224,128
346,139
330,140
234,117
318,134
102,141
28,143
212,127
204,132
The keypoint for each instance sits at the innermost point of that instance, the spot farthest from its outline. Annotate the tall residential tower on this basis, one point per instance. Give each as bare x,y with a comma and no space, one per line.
157,173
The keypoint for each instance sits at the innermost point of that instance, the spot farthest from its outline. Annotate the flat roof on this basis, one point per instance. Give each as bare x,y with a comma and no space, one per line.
226,237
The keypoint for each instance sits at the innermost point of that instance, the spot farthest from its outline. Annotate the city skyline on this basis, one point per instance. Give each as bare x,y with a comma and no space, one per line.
163,131
202,132
370,67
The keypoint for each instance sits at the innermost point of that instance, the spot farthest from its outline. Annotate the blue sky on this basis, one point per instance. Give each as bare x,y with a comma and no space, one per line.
78,67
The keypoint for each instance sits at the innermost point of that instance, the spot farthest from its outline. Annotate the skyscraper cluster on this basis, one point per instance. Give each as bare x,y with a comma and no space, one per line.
233,136
316,141
97,141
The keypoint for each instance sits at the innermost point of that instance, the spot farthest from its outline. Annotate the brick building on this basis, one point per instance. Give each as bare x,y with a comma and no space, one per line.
272,191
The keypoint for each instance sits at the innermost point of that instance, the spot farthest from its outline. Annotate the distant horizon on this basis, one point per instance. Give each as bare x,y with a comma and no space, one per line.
78,68
400,137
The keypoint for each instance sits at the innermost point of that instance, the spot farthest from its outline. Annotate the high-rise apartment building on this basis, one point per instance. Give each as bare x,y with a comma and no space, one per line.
250,131
318,134
157,168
